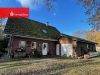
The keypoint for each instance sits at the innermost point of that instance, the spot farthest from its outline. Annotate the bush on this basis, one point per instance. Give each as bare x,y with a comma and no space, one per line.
1,54
37,53
3,45
99,53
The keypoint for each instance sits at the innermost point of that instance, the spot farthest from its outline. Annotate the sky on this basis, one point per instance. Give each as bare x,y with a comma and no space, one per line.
66,15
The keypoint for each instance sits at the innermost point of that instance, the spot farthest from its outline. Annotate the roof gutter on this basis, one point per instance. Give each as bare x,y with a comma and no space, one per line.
27,36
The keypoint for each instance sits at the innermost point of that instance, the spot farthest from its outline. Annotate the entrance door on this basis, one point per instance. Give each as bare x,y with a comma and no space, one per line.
44,48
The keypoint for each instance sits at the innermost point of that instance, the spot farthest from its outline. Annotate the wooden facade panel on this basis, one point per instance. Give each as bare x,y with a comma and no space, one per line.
79,47
66,46
65,40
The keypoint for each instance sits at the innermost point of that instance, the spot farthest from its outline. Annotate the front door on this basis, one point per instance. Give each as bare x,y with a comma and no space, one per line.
44,48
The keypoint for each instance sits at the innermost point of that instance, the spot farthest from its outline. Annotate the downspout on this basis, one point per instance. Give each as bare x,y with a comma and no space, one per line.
60,48
9,46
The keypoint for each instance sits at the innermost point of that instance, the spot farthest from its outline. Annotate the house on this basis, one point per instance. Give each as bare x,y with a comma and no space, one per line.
28,37
1,31
76,47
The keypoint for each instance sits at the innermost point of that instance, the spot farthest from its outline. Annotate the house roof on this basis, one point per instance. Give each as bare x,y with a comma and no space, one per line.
23,26
31,28
78,39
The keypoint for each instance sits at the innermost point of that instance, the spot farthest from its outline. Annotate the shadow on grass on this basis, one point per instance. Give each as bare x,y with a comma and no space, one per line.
18,63
57,67
64,66
7,66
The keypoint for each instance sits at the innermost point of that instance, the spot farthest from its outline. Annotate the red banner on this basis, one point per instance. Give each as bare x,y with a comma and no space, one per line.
14,12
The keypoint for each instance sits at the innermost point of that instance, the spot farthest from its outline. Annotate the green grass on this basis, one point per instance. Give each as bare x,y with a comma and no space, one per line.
55,66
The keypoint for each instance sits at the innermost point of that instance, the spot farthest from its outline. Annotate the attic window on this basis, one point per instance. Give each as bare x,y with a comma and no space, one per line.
44,31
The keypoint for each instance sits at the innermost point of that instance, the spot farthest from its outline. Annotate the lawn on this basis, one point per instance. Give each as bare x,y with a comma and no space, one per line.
51,66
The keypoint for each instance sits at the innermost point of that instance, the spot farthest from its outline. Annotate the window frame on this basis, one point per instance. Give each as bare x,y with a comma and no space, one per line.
21,44
35,45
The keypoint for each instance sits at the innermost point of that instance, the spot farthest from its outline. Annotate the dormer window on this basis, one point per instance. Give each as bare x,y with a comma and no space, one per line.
44,31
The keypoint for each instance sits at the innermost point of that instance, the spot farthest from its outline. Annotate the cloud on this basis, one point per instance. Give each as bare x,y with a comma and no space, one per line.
25,3
33,4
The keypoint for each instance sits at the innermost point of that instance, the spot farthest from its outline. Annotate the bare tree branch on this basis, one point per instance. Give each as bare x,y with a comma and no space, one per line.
92,8
1,21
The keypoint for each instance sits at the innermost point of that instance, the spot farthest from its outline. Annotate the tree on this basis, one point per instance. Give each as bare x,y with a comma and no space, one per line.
1,21
2,28
90,35
93,9
1,32
80,34
95,22
93,36
48,3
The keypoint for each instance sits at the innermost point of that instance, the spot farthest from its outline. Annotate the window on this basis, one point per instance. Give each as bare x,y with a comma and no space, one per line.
44,31
33,45
22,44
44,46
88,46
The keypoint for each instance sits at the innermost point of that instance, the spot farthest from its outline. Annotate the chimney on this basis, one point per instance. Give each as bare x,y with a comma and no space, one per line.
47,23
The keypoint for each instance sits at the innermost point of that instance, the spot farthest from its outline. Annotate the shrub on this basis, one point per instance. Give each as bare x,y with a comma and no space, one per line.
3,45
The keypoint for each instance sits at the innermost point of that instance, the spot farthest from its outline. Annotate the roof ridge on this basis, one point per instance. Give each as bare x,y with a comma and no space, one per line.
78,38
27,26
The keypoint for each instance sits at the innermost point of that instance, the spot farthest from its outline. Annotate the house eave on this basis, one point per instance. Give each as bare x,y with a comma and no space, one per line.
27,36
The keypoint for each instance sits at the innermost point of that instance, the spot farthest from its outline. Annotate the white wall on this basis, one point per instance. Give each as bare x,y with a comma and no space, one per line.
98,49
66,49
57,49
